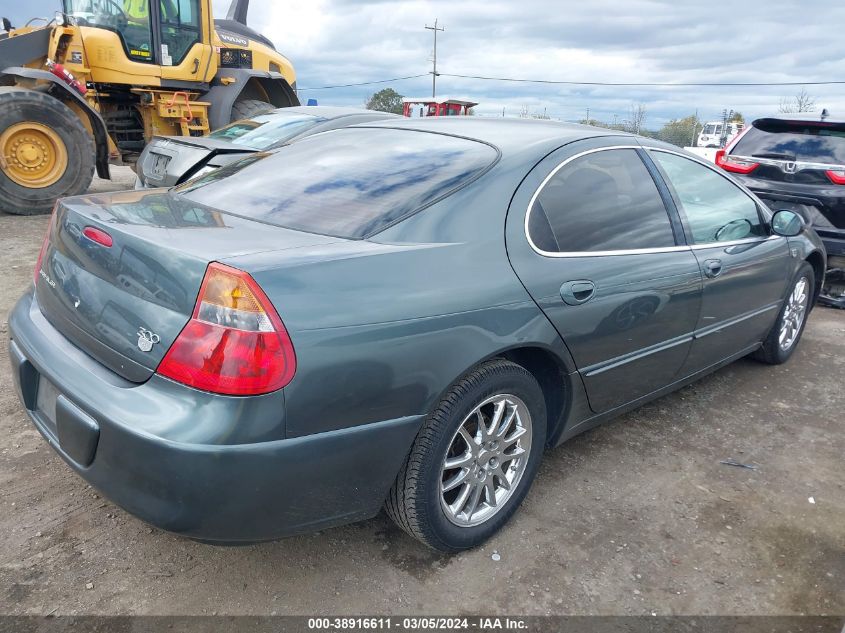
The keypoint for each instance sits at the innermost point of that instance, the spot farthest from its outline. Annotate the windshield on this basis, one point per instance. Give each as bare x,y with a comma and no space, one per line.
349,183
805,141
267,130
129,18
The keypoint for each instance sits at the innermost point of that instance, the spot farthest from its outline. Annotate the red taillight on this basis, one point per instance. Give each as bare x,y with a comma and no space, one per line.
235,342
837,176
735,165
97,235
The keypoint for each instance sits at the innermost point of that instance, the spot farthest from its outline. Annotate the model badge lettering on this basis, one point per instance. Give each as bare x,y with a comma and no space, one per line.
147,339
46,278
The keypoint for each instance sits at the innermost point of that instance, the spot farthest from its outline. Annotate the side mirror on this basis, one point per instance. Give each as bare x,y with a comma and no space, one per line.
787,223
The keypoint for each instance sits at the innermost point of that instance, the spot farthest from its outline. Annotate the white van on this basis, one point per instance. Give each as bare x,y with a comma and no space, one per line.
711,134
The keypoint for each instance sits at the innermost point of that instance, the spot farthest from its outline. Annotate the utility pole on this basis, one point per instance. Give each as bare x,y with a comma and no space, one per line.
434,28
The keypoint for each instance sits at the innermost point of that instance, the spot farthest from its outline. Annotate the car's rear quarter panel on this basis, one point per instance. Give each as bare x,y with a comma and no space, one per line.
382,328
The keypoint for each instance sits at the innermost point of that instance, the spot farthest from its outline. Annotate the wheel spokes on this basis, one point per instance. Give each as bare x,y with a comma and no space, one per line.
484,462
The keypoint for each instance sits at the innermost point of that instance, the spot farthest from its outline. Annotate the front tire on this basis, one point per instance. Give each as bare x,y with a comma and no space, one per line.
47,152
783,338
474,459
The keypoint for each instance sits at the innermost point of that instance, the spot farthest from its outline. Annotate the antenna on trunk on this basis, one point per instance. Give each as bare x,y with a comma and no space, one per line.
238,10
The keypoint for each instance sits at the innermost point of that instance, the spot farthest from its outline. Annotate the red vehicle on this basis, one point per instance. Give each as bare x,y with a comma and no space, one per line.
436,106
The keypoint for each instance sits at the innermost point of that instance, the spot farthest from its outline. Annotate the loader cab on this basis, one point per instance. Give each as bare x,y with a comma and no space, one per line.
172,35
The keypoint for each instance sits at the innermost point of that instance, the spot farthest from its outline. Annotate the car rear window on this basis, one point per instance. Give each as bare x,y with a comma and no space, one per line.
349,183
811,142
266,130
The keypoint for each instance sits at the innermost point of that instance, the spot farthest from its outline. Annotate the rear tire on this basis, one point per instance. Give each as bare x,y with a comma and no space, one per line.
478,460
248,108
785,334
48,152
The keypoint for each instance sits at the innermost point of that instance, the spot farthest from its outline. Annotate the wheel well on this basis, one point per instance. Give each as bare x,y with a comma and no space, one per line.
550,373
269,90
816,260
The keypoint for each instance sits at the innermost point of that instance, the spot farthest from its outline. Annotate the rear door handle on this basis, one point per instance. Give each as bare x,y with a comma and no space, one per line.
575,293
712,267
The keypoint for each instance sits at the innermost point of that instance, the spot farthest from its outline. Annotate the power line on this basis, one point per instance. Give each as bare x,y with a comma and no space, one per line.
651,84
590,83
365,83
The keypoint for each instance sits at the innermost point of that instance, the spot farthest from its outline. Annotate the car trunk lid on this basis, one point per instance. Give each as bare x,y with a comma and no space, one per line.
125,304
167,161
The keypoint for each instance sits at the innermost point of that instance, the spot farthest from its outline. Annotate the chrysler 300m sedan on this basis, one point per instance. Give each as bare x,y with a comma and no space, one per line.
402,315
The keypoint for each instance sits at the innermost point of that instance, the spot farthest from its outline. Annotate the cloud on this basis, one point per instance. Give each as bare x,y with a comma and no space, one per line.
335,42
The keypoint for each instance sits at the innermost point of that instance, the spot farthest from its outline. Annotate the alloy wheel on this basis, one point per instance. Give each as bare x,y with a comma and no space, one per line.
794,314
486,460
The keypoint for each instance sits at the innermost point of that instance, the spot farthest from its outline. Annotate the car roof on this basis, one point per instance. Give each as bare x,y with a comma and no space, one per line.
334,112
508,135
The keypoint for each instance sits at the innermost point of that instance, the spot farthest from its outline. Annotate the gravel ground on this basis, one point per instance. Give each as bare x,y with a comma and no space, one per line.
636,517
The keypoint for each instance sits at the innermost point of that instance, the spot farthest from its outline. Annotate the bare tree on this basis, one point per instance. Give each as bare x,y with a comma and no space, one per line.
525,113
636,121
802,102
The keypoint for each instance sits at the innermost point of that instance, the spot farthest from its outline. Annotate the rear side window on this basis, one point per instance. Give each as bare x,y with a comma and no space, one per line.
604,201
811,142
349,183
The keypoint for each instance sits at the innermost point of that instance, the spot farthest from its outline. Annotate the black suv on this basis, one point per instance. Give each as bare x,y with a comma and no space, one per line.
798,163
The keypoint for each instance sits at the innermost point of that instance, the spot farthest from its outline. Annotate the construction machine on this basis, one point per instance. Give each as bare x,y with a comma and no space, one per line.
101,78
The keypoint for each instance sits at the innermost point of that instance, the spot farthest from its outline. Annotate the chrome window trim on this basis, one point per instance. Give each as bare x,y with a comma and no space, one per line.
747,240
542,185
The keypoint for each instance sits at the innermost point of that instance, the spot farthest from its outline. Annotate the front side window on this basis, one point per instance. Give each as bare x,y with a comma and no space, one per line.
603,201
180,29
714,209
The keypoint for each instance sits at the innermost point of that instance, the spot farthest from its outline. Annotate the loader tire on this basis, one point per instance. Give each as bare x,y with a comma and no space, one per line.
45,152
248,108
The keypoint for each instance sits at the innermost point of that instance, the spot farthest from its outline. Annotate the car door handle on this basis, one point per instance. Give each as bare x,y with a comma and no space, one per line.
575,293
712,267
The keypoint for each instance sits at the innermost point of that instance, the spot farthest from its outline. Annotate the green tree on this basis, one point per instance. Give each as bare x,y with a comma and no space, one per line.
737,118
387,100
680,132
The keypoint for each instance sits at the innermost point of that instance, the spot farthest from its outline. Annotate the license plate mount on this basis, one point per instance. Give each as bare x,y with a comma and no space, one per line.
45,402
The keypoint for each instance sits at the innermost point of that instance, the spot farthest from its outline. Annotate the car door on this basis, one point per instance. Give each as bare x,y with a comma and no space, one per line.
742,263
590,235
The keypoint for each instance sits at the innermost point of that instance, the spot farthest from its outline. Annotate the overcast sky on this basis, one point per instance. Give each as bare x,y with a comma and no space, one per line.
346,41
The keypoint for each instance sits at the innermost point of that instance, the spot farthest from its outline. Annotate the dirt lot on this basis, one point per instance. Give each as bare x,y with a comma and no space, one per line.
637,517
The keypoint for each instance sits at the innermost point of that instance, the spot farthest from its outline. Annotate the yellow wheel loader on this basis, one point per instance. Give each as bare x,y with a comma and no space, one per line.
92,86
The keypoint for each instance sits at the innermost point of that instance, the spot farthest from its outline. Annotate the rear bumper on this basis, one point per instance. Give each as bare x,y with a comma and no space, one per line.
190,462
